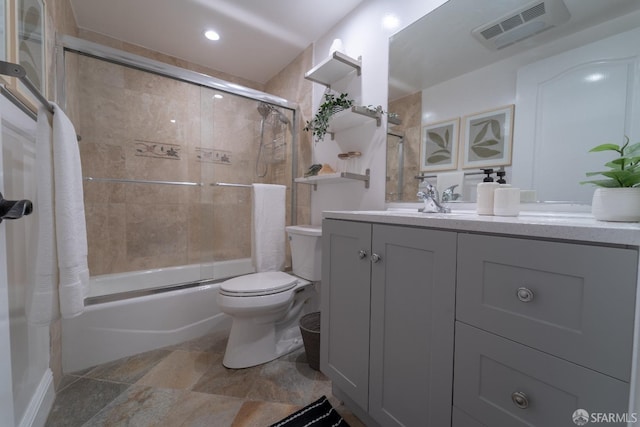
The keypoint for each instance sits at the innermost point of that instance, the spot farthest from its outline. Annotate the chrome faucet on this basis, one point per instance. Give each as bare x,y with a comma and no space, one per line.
449,194
429,194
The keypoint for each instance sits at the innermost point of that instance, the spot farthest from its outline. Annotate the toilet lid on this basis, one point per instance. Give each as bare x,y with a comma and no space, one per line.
266,283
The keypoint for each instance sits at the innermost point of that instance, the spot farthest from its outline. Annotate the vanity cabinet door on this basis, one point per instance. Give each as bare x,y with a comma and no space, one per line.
412,321
571,300
345,302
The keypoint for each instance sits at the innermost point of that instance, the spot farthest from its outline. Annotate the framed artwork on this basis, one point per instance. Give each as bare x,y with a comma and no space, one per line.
439,146
488,138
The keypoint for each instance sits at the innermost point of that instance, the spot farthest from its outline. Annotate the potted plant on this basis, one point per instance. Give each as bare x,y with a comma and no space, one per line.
332,104
617,197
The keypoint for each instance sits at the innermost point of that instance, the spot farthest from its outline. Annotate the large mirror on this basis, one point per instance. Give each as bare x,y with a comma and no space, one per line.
569,68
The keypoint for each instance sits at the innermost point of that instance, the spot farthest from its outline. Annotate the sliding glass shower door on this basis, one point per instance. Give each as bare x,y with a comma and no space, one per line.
168,168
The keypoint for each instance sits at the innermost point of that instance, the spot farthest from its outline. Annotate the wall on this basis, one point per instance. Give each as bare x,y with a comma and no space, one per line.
362,34
290,84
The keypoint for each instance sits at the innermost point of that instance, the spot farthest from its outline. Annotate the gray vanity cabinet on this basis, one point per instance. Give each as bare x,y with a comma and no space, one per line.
542,327
387,299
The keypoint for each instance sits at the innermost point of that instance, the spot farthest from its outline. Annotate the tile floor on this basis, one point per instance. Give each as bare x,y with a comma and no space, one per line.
186,385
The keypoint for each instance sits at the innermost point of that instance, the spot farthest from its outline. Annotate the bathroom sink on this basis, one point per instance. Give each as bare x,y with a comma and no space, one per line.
418,212
414,213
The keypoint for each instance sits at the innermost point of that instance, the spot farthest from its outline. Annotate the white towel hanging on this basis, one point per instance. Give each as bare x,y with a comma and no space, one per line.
267,231
61,269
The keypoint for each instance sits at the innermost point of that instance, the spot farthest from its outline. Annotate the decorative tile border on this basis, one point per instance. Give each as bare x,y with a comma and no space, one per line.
210,155
157,150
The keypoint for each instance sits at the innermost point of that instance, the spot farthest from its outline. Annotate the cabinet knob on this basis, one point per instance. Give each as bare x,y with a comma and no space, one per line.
524,294
376,258
520,399
362,254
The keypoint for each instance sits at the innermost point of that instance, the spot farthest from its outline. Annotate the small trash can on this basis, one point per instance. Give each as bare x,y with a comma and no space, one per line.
310,329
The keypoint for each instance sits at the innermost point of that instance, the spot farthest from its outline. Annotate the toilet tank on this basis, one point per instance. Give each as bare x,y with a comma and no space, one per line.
306,250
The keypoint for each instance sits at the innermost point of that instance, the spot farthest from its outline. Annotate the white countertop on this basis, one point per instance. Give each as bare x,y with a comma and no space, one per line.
551,225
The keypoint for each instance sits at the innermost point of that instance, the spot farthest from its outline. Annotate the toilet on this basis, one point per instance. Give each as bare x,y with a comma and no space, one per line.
266,306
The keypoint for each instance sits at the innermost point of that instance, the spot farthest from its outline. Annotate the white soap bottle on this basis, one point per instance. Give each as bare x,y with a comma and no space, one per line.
484,204
485,197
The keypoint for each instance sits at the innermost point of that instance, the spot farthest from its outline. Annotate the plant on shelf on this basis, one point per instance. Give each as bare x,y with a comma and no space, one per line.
624,171
331,105
618,195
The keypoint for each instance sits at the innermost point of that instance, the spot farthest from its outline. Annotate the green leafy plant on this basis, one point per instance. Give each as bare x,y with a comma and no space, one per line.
624,171
331,105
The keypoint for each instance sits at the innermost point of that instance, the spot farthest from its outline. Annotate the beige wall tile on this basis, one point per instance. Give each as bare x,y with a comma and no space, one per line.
409,109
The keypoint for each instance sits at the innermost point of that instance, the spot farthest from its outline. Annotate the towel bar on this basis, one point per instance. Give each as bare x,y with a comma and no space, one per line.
16,70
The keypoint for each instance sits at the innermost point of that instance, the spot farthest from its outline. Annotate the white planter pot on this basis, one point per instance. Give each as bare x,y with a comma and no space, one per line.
616,204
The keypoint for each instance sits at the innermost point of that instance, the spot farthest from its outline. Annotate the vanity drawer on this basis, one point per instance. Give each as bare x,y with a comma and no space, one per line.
501,383
571,300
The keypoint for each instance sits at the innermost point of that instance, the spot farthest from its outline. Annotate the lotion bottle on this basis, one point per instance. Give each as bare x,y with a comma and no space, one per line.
484,205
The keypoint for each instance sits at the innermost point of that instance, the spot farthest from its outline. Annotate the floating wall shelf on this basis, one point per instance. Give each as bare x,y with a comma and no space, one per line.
353,117
335,178
394,120
334,68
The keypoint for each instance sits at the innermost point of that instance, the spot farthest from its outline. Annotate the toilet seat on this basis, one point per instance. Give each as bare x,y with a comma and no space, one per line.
258,284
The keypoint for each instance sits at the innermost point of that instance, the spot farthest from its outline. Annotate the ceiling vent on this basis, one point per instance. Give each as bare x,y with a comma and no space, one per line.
520,24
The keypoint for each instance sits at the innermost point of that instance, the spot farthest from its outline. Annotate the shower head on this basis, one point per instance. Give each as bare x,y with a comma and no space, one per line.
264,109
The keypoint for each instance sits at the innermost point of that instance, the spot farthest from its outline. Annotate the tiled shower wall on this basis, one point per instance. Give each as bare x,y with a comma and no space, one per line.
409,109
141,126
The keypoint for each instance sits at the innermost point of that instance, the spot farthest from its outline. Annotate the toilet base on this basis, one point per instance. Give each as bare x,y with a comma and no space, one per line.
252,344
256,340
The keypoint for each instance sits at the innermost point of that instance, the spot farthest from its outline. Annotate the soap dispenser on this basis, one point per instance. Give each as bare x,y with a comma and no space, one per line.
501,174
487,172
484,205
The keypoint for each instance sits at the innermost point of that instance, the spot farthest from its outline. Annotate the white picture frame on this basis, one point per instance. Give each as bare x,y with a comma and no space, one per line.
439,146
488,138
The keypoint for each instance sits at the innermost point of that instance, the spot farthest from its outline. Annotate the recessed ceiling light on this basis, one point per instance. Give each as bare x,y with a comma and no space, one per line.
218,96
212,35
390,21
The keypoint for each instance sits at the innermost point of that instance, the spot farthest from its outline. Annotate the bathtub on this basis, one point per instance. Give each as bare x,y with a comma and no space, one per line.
122,327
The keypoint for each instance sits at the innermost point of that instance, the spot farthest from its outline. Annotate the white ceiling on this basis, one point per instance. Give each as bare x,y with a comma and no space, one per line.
258,37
